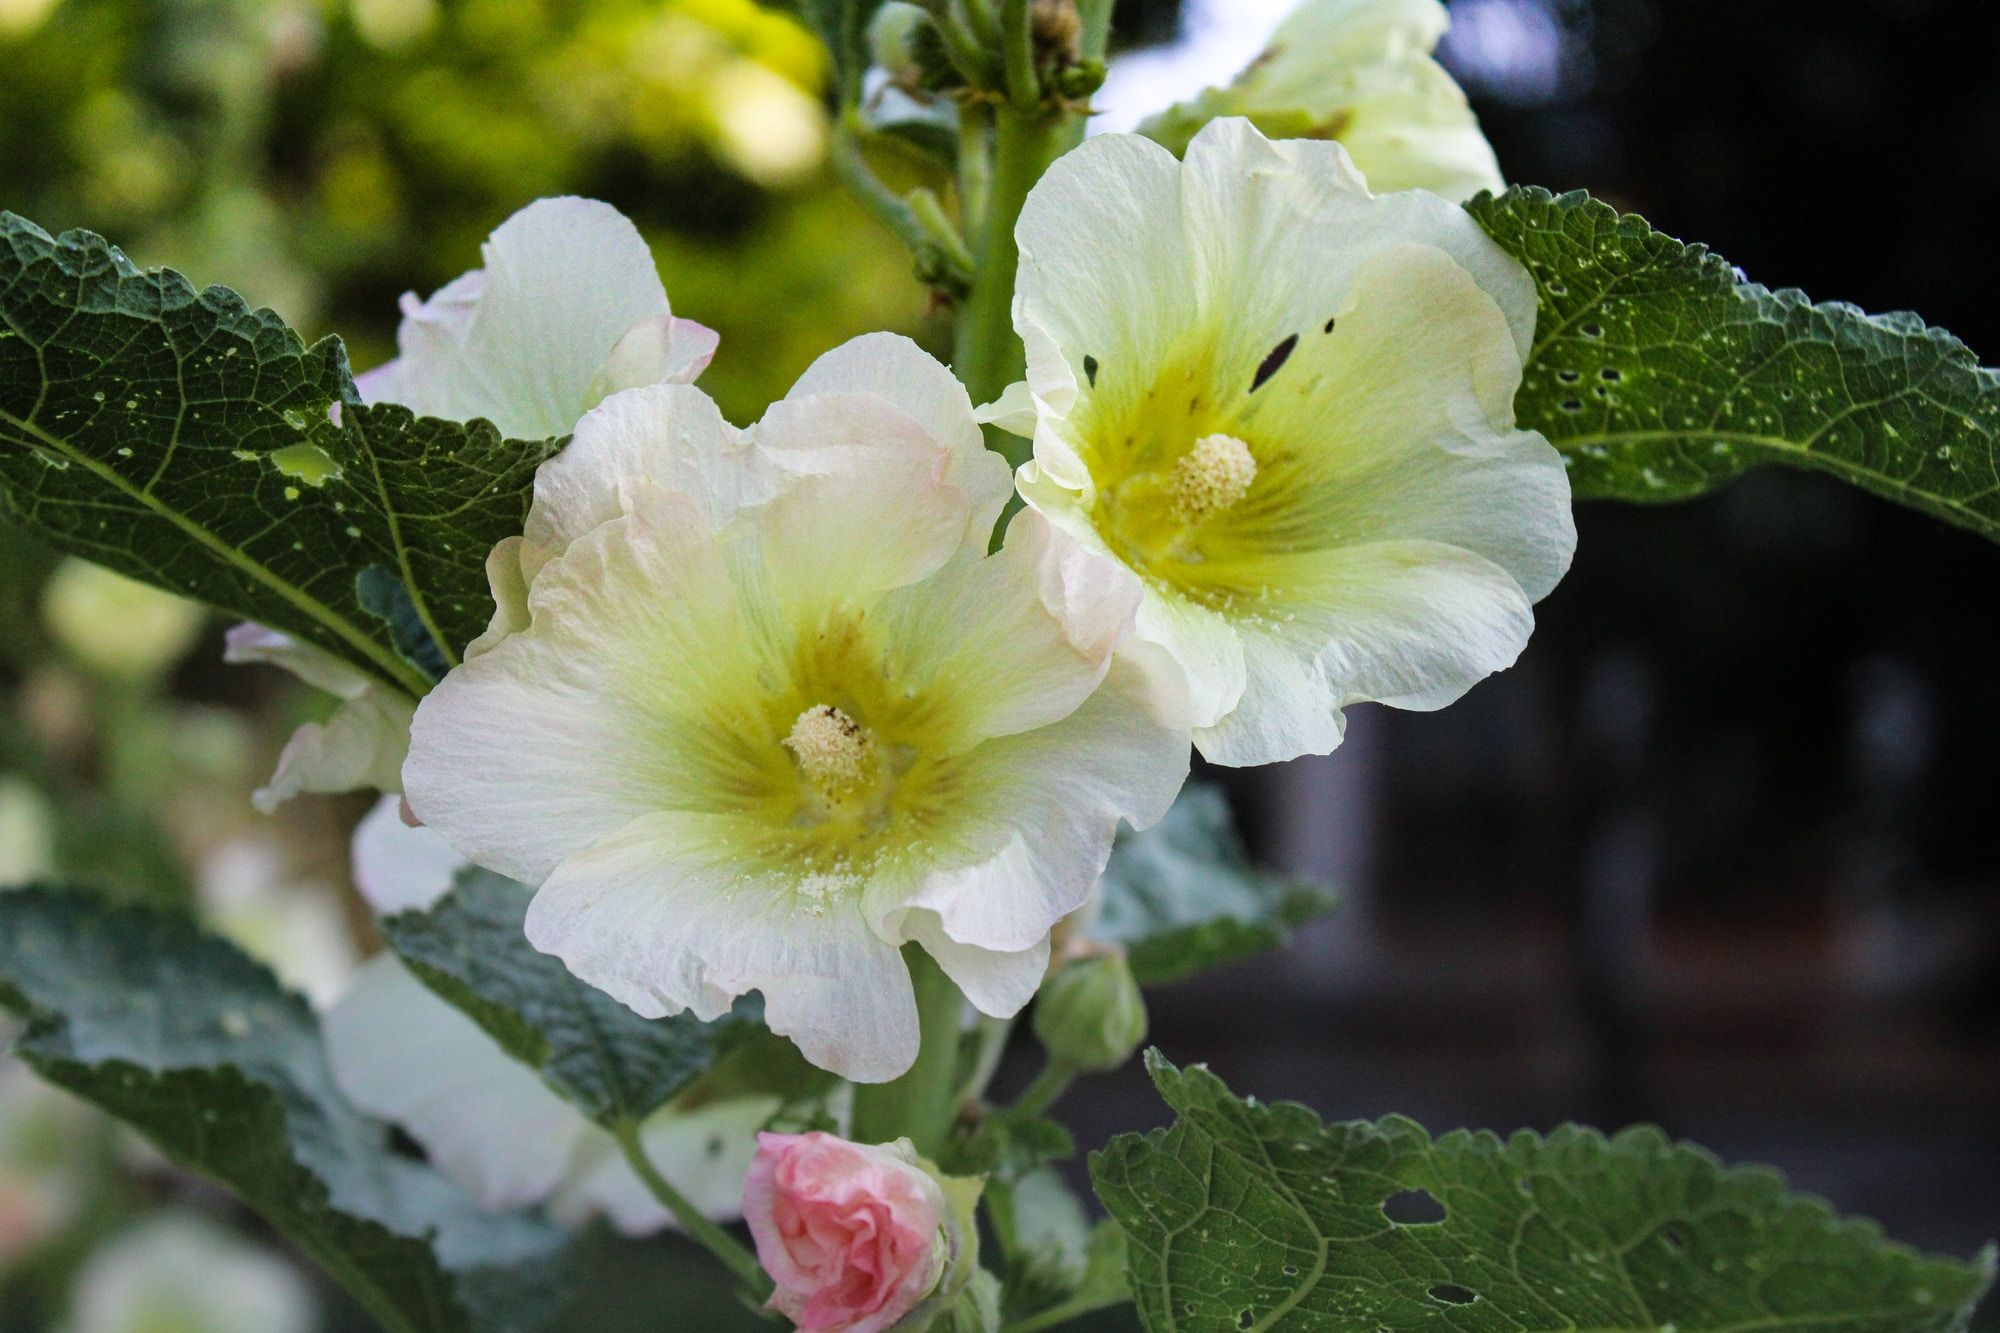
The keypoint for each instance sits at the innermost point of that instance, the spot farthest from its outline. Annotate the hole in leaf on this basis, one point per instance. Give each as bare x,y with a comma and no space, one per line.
1273,361
1592,330
1611,374
1413,1208
1673,1238
1245,1318
1090,370
1452,1294
1571,405
1568,376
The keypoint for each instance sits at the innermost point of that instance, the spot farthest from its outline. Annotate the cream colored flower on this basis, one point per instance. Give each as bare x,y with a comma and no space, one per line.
1361,72
488,1121
181,1272
759,709
361,745
1285,405
569,308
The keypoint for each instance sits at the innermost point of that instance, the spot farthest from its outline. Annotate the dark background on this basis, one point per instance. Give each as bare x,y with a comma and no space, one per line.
1719,853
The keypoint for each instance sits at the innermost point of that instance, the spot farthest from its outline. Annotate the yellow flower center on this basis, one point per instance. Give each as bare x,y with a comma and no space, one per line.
835,754
1212,476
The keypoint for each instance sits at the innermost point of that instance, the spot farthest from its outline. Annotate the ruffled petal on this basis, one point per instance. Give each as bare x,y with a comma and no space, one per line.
665,915
399,867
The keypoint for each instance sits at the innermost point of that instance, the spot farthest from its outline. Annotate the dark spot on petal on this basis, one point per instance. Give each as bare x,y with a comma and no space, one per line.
1272,362
1454,1294
1329,324
1090,370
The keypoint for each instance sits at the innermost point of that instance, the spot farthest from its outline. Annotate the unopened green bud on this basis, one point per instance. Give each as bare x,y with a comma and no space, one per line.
1090,1014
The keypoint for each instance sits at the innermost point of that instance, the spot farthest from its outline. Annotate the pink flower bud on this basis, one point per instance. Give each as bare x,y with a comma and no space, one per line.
855,1236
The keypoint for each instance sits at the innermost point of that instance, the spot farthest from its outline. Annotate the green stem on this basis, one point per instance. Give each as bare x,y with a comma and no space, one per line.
941,255
1056,1315
711,1237
988,355
1048,1087
1017,54
922,1105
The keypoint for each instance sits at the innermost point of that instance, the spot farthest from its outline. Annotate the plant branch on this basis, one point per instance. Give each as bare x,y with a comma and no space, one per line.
1017,54
738,1259
1047,1088
942,259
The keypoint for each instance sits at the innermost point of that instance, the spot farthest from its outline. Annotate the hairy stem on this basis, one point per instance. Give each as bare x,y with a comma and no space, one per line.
734,1255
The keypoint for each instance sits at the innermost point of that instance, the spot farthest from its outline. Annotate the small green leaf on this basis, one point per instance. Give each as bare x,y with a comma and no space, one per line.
1183,897
618,1068
184,439
1244,1216
1659,374
197,1046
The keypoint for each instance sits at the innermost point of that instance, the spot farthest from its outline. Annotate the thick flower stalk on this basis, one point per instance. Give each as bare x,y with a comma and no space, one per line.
1360,72
758,709
486,1120
1285,406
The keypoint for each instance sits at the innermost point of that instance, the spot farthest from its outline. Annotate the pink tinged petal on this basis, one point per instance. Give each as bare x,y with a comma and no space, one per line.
663,916
663,350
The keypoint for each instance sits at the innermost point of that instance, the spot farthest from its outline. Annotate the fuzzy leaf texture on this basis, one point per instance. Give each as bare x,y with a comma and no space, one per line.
197,1046
1660,374
1242,1216
618,1068
184,439
1183,896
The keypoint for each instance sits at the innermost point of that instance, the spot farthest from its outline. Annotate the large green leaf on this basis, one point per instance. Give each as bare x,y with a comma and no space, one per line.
472,949
184,439
1659,373
196,1045
1244,1216
1182,896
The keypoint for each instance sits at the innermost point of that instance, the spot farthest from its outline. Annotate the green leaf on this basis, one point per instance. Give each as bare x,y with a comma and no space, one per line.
196,1045
1244,1216
1183,897
618,1068
184,439
1659,374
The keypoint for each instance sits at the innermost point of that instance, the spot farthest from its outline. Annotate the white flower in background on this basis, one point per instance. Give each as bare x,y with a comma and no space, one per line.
27,834
1287,406
115,625
768,711
1361,72
361,745
296,929
179,1273
43,1157
568,309
486,1120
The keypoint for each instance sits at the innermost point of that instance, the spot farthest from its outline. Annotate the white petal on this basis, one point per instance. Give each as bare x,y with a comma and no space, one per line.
1206,678
997,984
509,584
1056,794
398,867
666,350
1413,624
664,916
361,746
670,436
315,666
891,367
487,1121
525,341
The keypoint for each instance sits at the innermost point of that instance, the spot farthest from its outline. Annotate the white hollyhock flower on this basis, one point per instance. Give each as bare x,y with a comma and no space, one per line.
1287,407
569,308
1361,72
179,1271
759,708
486,1120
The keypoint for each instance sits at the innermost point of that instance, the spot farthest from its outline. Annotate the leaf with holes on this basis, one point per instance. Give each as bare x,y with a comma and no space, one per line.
197,1046
1246,1216
472,949
184,439
1659,374
1183,896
